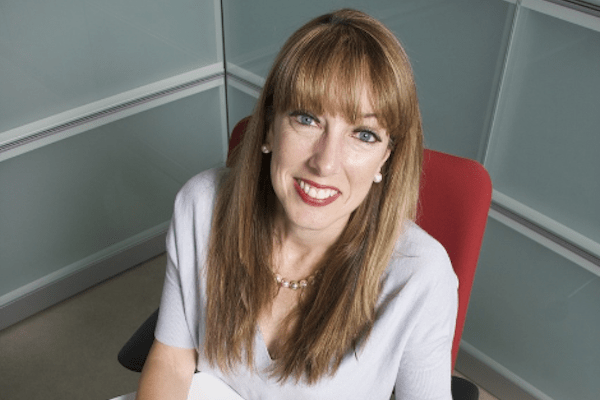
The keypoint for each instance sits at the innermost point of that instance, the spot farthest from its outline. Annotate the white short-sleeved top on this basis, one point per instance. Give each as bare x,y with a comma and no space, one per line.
409,347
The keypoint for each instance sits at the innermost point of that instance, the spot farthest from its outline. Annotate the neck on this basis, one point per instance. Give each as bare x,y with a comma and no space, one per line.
297,251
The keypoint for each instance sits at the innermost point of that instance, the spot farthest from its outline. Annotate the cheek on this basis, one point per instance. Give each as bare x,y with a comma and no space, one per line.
366,163
362,170
279,158
277,177
284,162
291,149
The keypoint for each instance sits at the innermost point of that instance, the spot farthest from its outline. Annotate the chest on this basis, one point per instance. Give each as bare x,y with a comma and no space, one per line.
276,321
369,374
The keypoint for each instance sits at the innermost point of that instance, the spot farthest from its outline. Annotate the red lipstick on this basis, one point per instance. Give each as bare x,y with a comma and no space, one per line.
312,201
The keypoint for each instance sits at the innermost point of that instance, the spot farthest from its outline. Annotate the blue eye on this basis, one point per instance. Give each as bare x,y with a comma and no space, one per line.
304,118
368,136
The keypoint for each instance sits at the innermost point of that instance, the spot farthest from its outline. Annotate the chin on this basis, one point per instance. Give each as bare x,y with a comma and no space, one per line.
321,220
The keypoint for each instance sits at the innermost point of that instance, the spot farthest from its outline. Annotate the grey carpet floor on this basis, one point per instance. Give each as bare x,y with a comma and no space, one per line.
69,351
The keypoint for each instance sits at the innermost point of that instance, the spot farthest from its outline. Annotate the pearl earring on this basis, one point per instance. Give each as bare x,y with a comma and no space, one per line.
265,149
378,177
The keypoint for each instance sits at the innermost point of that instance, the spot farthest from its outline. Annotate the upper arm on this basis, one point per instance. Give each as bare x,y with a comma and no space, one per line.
426,364
179,359
180,320
167,373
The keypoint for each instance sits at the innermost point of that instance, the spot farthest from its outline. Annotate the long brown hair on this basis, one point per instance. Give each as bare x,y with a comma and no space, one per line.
323,66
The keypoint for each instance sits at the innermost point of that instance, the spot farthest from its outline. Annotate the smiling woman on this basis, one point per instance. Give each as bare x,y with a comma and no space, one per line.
324,161
299,272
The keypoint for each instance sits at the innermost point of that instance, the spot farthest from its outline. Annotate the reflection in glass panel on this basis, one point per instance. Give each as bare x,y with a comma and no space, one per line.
539,319
73,198
544,148
62,54
456,48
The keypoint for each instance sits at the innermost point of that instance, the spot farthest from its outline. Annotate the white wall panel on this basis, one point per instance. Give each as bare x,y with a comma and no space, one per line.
536,314
60,54
544,147
66,202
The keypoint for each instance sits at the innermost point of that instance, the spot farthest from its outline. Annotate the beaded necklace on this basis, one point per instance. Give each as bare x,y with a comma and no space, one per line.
294,285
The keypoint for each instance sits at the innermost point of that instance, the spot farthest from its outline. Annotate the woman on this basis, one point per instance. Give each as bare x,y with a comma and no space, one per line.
299,273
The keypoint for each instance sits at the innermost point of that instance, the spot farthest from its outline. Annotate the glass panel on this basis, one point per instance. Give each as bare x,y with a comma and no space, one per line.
544,147
455,46
240,105
61,54
536,314
73,198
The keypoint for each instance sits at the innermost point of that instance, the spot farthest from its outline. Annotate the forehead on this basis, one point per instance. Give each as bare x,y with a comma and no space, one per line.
353,103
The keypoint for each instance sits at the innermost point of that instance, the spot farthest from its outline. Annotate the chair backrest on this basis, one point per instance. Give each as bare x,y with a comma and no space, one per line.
235,139
454,200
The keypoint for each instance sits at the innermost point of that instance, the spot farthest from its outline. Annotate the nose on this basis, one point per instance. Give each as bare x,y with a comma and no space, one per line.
327,152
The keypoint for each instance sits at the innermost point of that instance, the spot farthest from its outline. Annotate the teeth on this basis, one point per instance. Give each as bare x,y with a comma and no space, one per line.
319,194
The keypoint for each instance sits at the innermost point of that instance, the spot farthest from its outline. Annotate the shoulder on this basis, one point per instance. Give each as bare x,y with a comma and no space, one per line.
420,258
200,191
189,231
201,185
422,285
415,242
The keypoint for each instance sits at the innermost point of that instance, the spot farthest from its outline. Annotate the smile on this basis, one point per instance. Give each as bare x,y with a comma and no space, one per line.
315,194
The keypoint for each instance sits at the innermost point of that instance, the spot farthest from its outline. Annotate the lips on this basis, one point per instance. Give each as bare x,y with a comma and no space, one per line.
314,194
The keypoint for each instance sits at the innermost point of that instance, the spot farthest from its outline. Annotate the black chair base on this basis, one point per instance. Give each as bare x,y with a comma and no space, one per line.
134,353
462,389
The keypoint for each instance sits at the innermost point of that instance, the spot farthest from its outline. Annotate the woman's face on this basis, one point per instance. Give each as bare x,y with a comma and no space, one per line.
323,166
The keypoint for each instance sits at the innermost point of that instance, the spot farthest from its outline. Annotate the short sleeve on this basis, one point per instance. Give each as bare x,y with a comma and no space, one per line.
180,322
425,369
172,328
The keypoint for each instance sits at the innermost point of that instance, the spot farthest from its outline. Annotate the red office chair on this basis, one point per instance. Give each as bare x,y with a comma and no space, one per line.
454,200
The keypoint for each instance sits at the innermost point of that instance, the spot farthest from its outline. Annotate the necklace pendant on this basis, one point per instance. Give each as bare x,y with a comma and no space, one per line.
294,285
